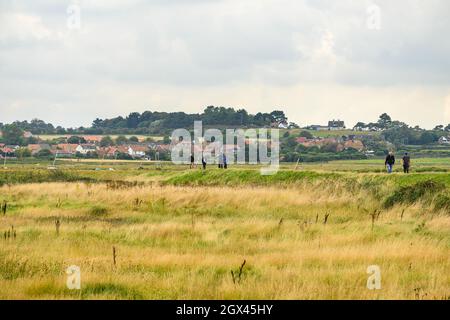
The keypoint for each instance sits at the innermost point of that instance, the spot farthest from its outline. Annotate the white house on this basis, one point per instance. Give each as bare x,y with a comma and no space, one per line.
444,140
85,148
137,151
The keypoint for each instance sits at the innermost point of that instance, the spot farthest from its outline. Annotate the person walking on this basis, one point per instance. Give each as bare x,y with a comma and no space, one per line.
192,162
203,162
389,162
406,162
220,160
225,165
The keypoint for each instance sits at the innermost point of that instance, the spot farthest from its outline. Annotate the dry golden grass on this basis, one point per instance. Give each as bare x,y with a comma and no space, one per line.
183,242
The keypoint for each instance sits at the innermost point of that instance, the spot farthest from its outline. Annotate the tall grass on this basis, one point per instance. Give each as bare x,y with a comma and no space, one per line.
289,250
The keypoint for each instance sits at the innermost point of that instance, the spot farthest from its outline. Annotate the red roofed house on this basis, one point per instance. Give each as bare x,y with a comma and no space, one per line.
93,139
35,148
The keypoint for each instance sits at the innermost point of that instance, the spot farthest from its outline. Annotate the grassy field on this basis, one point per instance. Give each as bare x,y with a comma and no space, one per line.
309,233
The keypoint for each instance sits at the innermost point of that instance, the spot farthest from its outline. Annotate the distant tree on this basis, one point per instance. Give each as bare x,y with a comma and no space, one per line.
97,123
133,139
330,147
23,153
439,128
133,120
60,130
106,141
76,140
44,153
428,137
121,140
306,134
447,128
31,140
124,156
359,126
278,116
300,148
291,142
384,121
12,134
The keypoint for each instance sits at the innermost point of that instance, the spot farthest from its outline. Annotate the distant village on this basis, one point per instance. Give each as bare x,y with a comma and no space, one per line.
88,146
105,147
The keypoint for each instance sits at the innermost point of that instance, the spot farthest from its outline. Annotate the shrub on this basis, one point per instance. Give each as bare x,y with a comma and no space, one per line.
442,202
98,211
412,193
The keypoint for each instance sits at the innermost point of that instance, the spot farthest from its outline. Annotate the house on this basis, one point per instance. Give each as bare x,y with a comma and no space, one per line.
92,139
35,148
7,150
107,152
163,147
27,134
64,150
444,140
283,125
280,124
354,144
85,148
336,125
301,140
138,151
317,127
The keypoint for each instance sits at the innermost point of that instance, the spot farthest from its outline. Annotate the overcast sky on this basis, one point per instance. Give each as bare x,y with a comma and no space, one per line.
315,59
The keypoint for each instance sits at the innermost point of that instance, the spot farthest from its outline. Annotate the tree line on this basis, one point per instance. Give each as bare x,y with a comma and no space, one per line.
155,122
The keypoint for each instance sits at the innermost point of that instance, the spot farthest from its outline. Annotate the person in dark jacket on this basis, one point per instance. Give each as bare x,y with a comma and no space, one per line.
225,165
203,162
192,162
406,162
389,162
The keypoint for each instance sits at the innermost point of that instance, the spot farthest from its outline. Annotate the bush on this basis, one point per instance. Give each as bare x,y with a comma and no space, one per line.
442,202
412,193
98,211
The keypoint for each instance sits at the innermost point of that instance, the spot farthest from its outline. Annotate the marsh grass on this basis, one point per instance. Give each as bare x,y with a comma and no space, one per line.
302,238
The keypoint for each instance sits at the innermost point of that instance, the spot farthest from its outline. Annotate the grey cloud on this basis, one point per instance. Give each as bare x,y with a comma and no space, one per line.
199,44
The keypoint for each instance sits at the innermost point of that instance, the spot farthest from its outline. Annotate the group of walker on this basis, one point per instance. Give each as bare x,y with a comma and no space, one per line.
222,161
390,161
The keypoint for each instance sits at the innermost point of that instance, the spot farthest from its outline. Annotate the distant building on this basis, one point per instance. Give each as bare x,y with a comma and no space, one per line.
354,144
317,127
280,125
27,134
35,148
92,139
336,125
86,148
332,125
64,149
301,140
444,140
137,151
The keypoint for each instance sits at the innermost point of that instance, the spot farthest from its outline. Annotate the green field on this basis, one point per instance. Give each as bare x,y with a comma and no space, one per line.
305,233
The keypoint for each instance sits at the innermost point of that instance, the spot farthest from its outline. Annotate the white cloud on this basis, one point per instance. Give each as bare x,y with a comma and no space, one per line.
189,53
